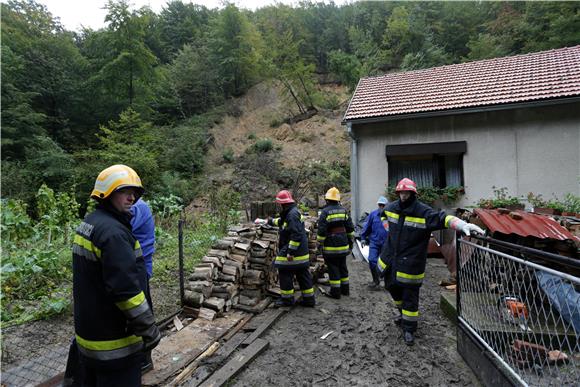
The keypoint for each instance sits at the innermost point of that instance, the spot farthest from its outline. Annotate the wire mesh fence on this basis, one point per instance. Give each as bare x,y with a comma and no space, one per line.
525,314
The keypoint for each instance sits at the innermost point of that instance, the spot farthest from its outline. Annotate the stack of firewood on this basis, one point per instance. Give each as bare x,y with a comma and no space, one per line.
238,270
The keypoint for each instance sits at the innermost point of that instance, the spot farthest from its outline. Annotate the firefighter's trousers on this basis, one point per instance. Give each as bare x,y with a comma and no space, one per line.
338,274
407,301
304,279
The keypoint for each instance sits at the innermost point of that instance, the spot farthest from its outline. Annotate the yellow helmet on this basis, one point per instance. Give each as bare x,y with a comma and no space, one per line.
333,194
114,178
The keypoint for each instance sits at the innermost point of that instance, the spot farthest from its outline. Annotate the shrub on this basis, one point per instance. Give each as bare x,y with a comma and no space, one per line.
228,155
261,146
252,136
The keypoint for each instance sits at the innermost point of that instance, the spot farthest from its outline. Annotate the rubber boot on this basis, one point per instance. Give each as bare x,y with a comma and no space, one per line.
147,363
409,338
345,289
282,302
334,293
376,284
308,302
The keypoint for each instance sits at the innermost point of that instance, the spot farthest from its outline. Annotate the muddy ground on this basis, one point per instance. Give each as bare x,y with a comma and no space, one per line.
365,348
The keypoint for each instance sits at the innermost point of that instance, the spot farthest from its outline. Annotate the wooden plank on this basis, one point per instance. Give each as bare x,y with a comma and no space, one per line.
268,322
191,367
176,351
234,366
238,326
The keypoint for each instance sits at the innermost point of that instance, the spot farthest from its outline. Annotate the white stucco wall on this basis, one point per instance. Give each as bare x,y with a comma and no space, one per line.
526,150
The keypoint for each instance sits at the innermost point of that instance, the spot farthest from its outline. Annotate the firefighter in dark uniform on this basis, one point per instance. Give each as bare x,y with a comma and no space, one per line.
114,324
404,257
335,238
293,258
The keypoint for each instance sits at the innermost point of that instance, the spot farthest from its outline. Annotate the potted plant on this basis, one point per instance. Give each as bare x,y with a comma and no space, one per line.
430,195
571,205
501,199
539,205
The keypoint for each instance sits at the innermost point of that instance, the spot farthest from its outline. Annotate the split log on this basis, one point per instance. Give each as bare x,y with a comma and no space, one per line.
235,300
251,293
238,258
202,274
259,267
218,253
226,278
261,244
217,261
214,303
254,277
226,288
228,305
248,301
193,298
203,287
206,264
239,265
258,253
223,244
207,314
242,246
247,234
230,270
261,261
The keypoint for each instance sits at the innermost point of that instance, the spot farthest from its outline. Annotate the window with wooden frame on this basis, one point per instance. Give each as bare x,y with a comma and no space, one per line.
429,165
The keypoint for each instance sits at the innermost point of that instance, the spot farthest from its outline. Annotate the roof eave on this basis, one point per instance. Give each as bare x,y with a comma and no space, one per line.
479,109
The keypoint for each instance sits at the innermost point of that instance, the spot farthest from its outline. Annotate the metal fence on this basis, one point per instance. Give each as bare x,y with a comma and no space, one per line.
524,315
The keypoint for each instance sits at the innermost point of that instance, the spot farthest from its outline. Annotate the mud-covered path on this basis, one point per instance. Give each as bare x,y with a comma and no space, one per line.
365,348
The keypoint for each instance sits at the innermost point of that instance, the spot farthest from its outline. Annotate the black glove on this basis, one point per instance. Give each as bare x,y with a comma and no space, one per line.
144,326
350,244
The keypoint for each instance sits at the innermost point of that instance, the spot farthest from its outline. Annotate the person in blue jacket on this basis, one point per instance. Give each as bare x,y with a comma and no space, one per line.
143,228
374,234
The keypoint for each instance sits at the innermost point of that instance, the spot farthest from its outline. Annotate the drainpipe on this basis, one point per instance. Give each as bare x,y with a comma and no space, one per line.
354,209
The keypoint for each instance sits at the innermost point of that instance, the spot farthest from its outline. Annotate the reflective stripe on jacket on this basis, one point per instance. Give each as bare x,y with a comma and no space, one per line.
335,231
409,231
292,239
109,276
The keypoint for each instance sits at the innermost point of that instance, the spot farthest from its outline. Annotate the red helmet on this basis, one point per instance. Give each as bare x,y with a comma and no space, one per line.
284,197
406,185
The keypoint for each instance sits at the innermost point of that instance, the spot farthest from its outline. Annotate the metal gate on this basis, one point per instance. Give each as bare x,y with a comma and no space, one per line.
518,314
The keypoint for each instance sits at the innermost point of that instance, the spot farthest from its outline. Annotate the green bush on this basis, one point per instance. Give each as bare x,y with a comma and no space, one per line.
501,199
228,155
252,136
261,146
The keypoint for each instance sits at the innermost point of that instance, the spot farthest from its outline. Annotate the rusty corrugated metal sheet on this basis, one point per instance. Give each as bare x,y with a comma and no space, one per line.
519,78
538,226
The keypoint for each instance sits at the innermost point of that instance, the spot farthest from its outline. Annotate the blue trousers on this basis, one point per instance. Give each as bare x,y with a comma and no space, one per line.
374,252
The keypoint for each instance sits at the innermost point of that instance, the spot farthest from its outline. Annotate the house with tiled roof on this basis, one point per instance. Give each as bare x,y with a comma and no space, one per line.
509,122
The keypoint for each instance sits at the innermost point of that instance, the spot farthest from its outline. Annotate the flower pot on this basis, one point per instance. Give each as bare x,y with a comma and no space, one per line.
546,211
566,213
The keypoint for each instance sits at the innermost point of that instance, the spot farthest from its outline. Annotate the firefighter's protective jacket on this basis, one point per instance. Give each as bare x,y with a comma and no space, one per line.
405,254
335,231
109,276
292,239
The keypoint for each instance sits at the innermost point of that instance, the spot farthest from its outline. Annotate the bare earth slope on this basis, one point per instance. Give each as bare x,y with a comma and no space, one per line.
365,348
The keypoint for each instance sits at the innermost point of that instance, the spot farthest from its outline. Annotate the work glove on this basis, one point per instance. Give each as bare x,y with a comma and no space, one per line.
144,326
260,221
469,228
364,243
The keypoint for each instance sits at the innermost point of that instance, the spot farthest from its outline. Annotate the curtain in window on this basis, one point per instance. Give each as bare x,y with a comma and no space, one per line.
453,170
420,171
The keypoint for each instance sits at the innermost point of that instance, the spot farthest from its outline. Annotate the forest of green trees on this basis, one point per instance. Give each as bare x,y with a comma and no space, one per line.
145,89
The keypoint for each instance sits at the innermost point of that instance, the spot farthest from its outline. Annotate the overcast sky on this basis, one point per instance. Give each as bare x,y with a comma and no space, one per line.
90,13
